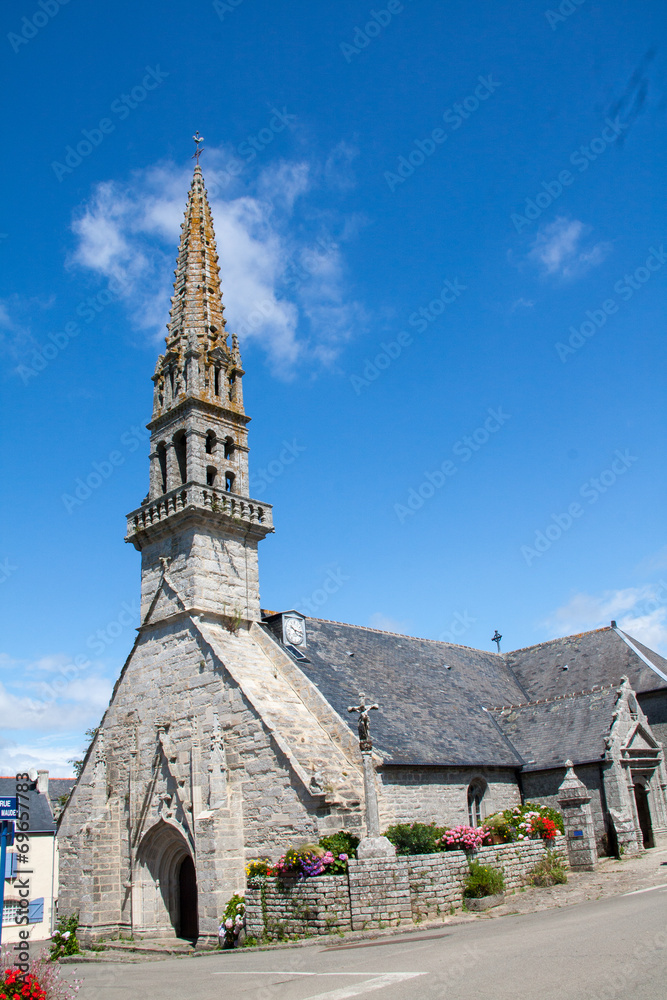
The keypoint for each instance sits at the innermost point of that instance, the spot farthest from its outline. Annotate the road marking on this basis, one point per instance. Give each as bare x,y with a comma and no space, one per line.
651,888
389,979
379,981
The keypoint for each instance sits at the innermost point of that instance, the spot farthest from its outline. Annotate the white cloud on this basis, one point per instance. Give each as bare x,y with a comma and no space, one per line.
130,232
17,757
639,611
558,249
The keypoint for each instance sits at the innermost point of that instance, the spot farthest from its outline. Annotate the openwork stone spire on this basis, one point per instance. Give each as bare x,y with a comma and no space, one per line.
198,519
198,362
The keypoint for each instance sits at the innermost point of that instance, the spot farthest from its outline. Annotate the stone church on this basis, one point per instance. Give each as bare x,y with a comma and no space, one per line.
227,737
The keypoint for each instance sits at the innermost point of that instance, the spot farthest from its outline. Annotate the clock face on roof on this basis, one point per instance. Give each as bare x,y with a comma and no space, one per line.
294,631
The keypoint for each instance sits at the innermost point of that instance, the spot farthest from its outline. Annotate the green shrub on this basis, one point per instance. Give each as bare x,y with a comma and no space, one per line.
548,871
64,940
483,880
340,843
418,838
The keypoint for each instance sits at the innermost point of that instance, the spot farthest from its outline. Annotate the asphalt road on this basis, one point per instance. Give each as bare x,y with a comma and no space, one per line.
610,948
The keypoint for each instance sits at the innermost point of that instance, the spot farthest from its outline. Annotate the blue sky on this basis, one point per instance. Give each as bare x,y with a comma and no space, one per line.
442,231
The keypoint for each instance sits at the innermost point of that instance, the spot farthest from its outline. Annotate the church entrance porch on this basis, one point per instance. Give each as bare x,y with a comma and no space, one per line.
164,890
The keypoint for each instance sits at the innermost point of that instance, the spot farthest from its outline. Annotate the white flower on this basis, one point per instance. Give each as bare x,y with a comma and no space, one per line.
229,923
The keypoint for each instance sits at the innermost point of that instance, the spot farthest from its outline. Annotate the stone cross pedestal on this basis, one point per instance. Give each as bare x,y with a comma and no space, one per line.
373,845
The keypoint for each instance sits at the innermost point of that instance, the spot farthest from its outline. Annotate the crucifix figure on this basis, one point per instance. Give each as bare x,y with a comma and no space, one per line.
197,153
363,709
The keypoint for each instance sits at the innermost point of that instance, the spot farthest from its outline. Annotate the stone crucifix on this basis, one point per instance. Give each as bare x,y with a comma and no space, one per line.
364,722
373,845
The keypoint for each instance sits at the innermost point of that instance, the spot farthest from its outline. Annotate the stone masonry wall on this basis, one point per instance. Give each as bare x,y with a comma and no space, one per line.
440,795
379,893
311,906
542,787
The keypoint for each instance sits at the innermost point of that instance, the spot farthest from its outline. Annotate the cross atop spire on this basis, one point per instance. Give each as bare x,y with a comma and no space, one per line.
197,153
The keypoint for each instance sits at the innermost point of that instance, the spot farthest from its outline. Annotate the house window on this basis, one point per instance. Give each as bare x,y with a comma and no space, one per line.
216,381
476,791
211,473
229,447
229,482
10,911
210,442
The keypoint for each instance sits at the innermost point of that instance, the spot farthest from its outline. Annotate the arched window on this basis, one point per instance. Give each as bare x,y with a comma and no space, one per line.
211,473
210,442
476,790
162,459
229,447
229,482
180,447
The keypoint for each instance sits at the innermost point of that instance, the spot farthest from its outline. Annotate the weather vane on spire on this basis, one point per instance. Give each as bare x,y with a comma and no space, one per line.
496,637
197,153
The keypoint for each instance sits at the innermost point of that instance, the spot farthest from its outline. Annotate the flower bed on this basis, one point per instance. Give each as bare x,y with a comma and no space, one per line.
382,892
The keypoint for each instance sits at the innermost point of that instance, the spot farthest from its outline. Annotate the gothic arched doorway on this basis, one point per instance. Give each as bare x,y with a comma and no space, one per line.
164,893
644,815
188,918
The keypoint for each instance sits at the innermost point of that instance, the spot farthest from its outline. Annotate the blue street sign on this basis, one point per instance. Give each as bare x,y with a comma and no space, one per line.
8,808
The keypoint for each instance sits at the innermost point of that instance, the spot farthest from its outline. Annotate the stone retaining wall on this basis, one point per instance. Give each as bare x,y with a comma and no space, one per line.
380,893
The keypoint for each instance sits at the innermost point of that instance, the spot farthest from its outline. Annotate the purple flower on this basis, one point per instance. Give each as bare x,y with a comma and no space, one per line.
342,857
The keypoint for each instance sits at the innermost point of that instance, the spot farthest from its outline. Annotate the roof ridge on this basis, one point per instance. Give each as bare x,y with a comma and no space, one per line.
573,635
402,635
556,697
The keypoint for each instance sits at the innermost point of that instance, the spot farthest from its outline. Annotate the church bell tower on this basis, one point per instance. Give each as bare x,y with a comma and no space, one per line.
198,529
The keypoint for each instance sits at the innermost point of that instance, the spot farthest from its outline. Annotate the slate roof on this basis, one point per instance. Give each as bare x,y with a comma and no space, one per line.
40,816
432,715
593,658
570,727
428,715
